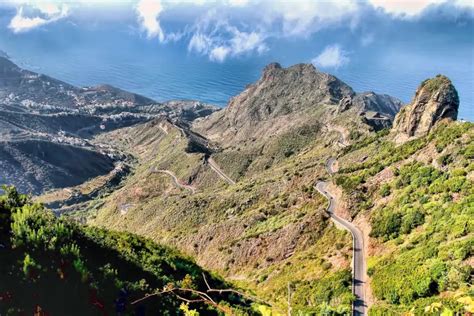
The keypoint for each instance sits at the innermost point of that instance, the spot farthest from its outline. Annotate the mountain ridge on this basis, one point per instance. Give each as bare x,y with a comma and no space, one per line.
299,89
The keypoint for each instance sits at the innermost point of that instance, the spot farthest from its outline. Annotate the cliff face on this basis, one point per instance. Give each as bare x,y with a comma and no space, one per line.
370,101
435,99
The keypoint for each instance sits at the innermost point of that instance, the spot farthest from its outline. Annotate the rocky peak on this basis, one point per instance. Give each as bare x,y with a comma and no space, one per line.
435,99
370,101
271,69
279,96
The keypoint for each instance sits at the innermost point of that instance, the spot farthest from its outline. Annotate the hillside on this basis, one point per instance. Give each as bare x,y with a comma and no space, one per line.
414,204
51,266
236,189
267,229
175,195
46,126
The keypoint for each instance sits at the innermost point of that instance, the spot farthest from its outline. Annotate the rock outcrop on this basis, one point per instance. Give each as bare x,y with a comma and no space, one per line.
383,104
435,99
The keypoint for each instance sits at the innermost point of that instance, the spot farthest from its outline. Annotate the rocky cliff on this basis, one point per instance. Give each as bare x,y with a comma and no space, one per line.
435,99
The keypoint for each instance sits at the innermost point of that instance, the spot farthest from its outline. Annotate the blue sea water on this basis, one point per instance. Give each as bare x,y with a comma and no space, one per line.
401,55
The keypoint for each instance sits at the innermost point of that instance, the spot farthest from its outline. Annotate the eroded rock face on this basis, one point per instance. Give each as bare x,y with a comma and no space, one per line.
435,99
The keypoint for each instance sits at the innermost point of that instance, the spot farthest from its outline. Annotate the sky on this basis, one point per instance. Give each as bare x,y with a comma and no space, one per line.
230,28
229,31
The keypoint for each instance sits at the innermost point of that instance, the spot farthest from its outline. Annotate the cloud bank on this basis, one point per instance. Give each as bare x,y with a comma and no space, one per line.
222,29
29,17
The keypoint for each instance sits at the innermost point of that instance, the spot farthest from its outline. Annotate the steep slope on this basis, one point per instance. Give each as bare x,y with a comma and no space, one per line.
37,165
53,266
267,230
435,99
414,203
418,200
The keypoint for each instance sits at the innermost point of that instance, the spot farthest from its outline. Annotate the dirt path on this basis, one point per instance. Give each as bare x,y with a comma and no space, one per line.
176,181
218,170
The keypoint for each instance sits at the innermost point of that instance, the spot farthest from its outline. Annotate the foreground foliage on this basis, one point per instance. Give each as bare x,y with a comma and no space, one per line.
51,265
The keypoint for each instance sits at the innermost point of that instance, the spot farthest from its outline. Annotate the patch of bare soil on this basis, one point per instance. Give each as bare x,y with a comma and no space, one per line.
341,208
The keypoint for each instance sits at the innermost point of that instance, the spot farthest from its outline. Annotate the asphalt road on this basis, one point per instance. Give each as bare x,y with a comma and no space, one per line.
358,259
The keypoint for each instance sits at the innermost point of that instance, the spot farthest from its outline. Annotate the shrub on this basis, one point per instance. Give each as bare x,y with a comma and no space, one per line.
386,224
385,190
412,219
445,160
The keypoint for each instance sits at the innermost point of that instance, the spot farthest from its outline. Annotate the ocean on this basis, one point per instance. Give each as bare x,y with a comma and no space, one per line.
393,59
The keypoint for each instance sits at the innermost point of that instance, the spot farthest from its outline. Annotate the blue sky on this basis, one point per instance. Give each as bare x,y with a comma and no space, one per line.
228,29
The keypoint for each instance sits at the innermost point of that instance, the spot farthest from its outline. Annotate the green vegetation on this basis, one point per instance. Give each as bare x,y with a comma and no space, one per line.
425,226
60,267
432,260
327,296
435,83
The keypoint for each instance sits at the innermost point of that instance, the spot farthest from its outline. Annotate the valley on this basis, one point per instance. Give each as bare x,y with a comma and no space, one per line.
257,193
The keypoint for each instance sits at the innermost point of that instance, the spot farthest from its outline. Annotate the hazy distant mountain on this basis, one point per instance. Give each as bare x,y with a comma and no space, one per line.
46,126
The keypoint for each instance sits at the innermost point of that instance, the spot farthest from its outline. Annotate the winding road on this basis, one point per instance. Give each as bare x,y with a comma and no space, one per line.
358,259
175,180
218,170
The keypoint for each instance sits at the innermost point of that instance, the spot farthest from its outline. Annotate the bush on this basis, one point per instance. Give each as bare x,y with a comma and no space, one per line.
445,160
385,190
412,219
386,224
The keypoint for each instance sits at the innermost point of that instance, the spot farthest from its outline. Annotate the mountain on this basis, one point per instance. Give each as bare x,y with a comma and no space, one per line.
236,191
282,94
35,89
46,126
263,192
435,99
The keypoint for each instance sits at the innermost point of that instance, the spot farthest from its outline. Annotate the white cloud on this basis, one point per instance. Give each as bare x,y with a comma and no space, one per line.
331,57
200,43
219,53
148,16
404,7
304,17
215,37
239,3
412,8
39,14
